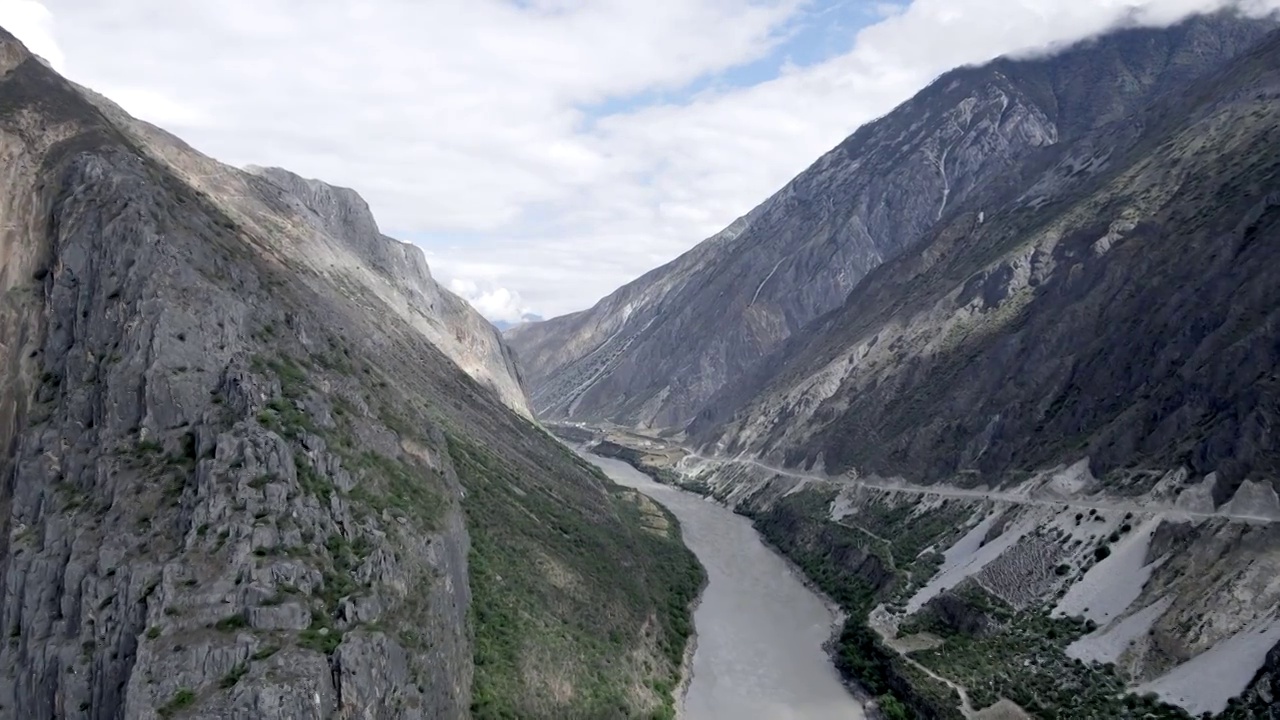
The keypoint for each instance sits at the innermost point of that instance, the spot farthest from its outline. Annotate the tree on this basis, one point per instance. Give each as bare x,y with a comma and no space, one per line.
892,708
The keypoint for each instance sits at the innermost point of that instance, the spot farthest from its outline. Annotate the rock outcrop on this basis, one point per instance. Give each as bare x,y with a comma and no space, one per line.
245,475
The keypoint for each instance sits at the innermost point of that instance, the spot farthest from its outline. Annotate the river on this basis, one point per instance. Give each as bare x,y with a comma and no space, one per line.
760,630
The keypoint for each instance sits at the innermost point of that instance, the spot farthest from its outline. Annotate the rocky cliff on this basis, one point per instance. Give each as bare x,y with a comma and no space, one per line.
344,244
446,319
655,351
246,476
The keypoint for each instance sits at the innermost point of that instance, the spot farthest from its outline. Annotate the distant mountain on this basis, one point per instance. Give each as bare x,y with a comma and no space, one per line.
652,353
525,319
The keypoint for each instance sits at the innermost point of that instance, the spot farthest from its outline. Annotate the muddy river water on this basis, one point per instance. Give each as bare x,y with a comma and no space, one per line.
760,630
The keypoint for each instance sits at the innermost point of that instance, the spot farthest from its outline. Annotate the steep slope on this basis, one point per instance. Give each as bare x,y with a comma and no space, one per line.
653,352
242,480
446,319
346,246
1064,401
1122,307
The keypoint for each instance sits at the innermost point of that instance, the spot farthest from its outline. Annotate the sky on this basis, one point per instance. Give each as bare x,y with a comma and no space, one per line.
541,152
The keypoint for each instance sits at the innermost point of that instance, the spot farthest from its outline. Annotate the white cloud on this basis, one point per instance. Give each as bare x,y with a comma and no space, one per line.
471,119
495,303
32,23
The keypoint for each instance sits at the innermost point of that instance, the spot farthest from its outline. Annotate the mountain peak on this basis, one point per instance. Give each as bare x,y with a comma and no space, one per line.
342,210
12,52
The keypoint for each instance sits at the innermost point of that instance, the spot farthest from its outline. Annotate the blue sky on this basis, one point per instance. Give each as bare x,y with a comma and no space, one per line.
542,152
817,32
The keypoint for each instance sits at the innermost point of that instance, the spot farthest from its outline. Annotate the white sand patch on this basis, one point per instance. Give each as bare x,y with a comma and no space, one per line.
1206,682
1107,645
797,487
968,556
1198,498
1254,500
1111,586
928,504
1071,481
1090,528
842,507
1003,710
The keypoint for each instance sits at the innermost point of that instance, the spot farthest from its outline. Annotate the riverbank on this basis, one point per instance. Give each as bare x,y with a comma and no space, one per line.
762,635
852,647
686,663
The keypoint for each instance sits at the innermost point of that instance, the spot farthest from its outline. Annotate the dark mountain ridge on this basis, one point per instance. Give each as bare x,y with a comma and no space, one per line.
656,350
1127,386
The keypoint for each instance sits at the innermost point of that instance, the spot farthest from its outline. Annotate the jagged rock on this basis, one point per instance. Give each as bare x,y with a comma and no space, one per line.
957,614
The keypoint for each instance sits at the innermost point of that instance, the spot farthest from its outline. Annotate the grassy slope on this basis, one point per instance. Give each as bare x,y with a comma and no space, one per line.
558,597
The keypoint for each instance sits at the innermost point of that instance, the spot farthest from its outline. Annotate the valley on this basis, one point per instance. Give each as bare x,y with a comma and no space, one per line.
973,419
760,632
939,572
998,375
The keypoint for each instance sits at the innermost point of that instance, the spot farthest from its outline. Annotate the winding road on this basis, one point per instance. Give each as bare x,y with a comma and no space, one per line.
1088,503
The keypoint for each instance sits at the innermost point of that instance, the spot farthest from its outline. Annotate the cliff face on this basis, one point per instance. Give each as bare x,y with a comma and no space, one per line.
655,351
446,319
245,475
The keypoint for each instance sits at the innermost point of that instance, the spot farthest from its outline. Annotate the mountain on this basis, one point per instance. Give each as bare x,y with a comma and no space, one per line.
652,353
346,246
1120,306
525,319
258,464
1058,404
1031,453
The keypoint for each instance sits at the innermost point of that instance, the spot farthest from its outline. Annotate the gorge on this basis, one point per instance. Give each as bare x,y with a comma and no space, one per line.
974,418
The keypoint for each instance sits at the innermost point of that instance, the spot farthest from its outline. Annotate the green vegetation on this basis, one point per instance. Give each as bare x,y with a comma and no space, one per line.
637,460
184,698
581,591
293,379
857,571
1024,661
265,652
320,638
310,480
230,679
404,489
1021,657
231,623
